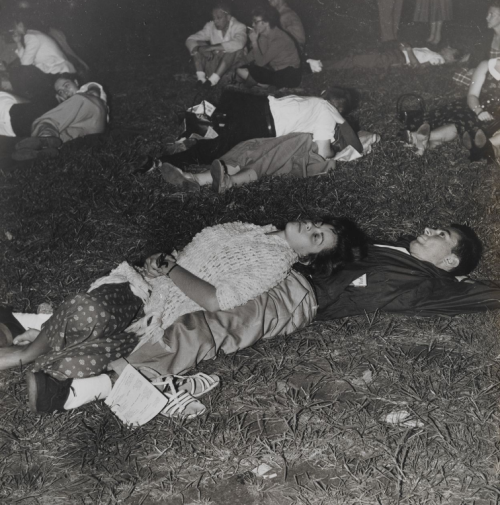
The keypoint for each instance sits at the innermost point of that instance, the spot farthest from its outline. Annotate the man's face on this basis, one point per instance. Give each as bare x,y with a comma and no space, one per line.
221,19
259,25
65,88
436,246
493,17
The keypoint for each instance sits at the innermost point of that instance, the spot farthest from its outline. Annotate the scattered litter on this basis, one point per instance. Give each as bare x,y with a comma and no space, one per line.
403,417
263,471
9,235
45,308
366,378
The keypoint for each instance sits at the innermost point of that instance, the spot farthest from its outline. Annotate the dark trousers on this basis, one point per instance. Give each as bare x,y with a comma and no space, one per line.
30,82
244,117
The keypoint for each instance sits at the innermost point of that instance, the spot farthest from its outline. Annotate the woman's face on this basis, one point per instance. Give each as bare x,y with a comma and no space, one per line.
65,88
306,237
493,17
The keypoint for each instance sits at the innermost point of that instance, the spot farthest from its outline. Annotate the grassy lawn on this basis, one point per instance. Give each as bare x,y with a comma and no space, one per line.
319,407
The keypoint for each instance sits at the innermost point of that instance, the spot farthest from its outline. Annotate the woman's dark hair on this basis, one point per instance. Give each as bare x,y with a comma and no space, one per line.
468,249
341,98
268,14
352,245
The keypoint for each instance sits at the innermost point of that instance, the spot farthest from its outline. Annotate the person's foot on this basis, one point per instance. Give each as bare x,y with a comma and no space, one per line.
39,143
221,181
46,394
176,176
420,138
26,338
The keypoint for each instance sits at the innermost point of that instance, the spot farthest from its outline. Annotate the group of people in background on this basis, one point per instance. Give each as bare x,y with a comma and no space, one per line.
215,294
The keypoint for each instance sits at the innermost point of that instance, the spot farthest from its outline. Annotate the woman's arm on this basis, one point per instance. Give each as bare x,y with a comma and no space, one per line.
200,291
475,87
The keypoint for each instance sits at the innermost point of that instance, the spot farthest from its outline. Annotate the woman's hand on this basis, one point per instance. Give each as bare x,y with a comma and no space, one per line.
152,269
485,116
253,36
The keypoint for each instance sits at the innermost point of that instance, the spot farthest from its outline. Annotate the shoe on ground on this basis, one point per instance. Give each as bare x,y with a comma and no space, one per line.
46,394
221,181
421,138
176,176
148,165
199,84
39,143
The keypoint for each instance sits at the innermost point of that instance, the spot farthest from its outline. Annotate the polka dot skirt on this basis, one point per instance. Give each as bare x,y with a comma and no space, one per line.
87,332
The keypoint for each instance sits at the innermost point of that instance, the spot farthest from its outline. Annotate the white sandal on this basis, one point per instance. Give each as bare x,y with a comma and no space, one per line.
179,401
199,384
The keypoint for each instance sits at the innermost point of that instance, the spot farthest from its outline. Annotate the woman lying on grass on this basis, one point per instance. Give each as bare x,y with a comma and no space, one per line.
222,267
474,120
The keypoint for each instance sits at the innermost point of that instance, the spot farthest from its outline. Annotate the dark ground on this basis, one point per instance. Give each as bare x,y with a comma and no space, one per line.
319,407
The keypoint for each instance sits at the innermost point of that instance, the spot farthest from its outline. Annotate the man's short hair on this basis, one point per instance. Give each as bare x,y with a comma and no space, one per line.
341,98
494,3
468,249
268,14
223,5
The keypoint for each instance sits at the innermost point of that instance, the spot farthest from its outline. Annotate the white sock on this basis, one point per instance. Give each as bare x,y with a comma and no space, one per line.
87,390
214,79
201,76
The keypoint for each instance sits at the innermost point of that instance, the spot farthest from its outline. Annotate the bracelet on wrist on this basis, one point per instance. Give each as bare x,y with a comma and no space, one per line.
170,270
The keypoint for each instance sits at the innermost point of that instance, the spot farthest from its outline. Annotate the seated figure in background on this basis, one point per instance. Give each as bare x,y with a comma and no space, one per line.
40,60
218,47
290,22
274,59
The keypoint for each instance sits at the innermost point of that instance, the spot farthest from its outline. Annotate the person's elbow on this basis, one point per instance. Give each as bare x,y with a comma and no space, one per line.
211,304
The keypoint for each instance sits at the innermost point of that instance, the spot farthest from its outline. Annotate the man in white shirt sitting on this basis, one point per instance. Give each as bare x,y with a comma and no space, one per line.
218,47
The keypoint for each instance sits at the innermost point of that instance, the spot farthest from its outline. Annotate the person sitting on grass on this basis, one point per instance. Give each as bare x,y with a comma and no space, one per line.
415,276
40,61
290,22
483,51
82,111
218,47
224,266
405,55
475,120
273,59
246,116
295,154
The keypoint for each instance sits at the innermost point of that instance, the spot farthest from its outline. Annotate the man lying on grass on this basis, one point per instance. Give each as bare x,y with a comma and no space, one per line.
414,276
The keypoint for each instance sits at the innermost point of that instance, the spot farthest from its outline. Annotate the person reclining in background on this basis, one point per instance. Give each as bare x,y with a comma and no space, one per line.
290,22
274,59
295,154
40,61
218,47
405,55
222,267
247,116
82,111
420,276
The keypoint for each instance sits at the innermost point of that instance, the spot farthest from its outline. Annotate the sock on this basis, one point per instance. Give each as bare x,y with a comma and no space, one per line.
200,75
214,79
87,390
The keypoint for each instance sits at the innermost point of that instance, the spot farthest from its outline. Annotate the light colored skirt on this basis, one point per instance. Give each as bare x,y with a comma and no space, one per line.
430,11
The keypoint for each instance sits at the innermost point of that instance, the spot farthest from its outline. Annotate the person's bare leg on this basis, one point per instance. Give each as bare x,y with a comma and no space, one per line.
443,134
433,33
438,25
202,178
243,177
11,357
